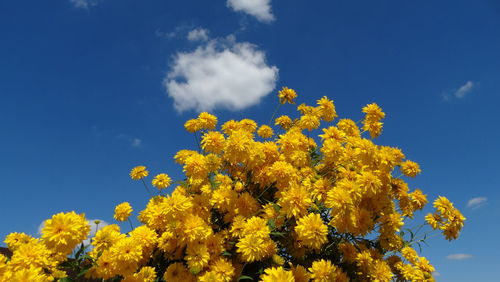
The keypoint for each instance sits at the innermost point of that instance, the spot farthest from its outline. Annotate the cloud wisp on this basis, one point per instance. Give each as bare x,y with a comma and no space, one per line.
477,202
458,256
198,34
260,9
464,90
83,4
461,92
220,73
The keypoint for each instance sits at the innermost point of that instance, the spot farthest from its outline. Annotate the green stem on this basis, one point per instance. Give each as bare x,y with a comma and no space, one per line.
197,141
275,111
146,186
131,227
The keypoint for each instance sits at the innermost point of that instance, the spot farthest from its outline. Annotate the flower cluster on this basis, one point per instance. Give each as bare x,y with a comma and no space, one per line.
38,259
261,203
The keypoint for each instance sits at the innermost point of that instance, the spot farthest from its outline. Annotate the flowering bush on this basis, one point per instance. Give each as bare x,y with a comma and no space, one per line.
257,205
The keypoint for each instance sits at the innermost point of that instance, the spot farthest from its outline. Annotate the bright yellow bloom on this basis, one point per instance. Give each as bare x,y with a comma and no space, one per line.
410,168
349,127
162,181
123,211
207,121
64,231
138,172
31,274
284,121
373,112
287,95
213,141
107,237
197,257
309,122
325,271
224,269
265,131
295,202
14,240
254,247
275,274
311,231
192,125
300,273
327,109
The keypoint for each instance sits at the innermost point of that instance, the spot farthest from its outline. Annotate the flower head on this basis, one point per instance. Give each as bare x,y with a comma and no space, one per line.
287,95
161,181
123,211
139,172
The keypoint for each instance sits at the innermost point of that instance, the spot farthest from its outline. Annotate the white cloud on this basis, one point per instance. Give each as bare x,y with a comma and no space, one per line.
464,90
136,142
198,34
83,4
220,74
458,256
261,9
476,202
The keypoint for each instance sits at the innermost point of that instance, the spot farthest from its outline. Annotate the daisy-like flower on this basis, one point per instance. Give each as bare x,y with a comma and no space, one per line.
123,211
139,172
287,95
162,181
410,168
64,231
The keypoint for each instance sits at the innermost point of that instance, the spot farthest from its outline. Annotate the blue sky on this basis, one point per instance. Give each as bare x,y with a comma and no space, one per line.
91,89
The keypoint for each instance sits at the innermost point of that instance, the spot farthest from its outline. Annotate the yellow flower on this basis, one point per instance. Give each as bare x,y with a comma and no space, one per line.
138,172
213,141
295,201
107,237
284,121
309,122
327,109
64,231
286,95
325,271
193,125
207,121
122,211
254,247
15,239
265,131
275,274
177,272
410,168
34,254
31,274
300,273
197,257
311,231
224,269
373,112
161,181
349,127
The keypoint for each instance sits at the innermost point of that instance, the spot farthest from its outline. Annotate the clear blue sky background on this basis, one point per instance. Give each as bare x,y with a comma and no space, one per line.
83,99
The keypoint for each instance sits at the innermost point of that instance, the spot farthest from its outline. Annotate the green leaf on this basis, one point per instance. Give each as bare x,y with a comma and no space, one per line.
271,223
80,251
244,277
278,234
83,271
226,253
